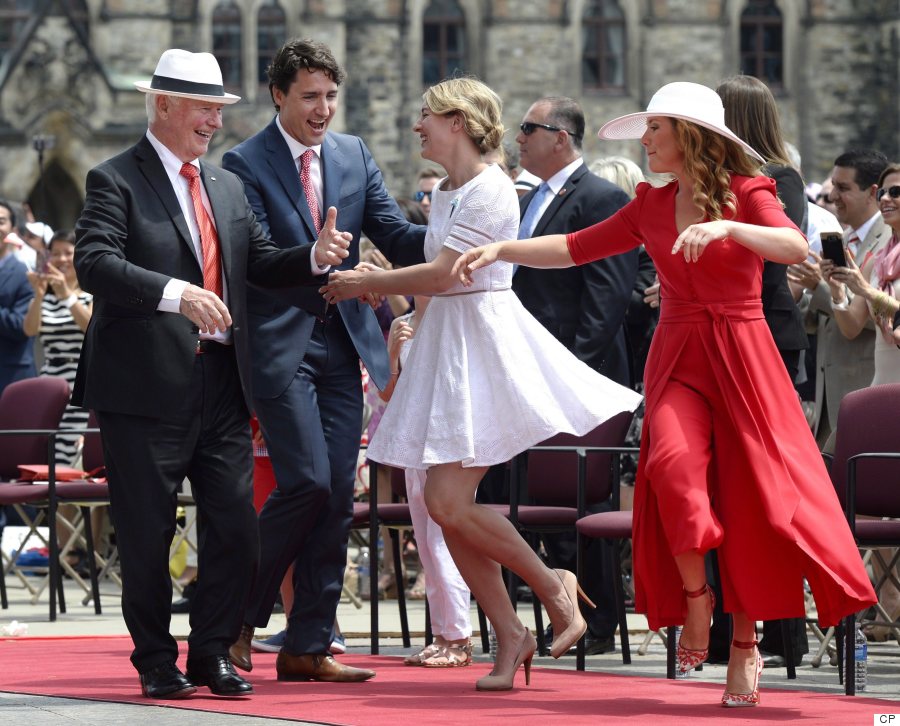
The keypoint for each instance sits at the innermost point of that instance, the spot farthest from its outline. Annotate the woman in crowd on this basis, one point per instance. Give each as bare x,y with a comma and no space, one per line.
448,595
59,313
727,459
484,379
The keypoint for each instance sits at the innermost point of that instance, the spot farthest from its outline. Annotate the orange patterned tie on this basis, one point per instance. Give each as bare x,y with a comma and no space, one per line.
311,199
209,240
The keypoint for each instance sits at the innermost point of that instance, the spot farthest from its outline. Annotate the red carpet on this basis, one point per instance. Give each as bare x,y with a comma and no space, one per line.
99,669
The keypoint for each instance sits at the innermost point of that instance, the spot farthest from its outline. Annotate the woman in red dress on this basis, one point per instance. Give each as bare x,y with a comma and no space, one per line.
727,459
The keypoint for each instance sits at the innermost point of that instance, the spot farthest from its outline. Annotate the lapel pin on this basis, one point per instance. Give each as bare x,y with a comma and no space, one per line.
212,178
561,192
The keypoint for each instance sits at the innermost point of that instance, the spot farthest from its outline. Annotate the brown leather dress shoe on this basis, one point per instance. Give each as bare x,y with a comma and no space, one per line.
318,667
239,653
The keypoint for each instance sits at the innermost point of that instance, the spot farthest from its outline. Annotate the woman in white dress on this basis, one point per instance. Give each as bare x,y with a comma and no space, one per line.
484,379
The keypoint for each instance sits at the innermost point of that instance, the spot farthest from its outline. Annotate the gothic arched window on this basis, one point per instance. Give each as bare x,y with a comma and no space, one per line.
603,45
78,12
14,14
270,36
443,41
762,46
226,42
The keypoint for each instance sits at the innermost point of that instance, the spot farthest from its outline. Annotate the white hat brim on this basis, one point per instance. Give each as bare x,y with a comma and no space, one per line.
633,126
228,98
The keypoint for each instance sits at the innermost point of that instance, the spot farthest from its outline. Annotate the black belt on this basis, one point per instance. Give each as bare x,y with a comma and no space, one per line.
211,346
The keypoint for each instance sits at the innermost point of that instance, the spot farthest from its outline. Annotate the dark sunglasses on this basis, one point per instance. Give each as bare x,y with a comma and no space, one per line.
421,195
528,128
894,191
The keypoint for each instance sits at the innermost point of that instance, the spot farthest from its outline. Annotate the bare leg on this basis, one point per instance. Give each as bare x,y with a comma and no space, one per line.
695,634
480,541
742,661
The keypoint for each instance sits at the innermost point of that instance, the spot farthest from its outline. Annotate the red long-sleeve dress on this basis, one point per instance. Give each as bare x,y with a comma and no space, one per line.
727,458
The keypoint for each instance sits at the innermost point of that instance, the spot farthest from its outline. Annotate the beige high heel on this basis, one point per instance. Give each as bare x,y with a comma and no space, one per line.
564,638
504,681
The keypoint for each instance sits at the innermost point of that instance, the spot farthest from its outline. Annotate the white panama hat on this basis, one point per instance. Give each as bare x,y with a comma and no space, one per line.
681,99
188,75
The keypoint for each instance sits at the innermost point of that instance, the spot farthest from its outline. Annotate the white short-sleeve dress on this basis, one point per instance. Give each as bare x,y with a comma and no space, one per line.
485,380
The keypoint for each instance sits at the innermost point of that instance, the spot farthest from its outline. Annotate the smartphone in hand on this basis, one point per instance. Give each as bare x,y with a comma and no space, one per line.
833,248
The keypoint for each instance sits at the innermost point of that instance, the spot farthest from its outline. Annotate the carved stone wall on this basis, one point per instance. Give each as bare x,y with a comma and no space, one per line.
840,89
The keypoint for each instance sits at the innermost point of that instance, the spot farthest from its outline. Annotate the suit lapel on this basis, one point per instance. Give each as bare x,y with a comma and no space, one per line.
332,175
155,174
558,200
285,169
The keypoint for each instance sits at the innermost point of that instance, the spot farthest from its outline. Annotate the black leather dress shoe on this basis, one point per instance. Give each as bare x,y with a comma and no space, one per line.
598,646
166,681
217,672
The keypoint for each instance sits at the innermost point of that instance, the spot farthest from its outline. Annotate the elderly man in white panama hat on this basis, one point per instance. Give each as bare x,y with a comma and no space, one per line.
167,245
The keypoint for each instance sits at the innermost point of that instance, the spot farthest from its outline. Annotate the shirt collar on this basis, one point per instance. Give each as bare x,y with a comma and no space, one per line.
558,180
171,163
295,146
866,227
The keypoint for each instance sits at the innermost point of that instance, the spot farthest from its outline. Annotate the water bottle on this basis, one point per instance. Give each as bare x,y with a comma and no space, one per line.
363,567
678,672
860,656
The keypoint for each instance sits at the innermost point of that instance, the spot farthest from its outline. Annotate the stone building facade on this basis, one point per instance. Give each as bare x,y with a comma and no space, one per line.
67,70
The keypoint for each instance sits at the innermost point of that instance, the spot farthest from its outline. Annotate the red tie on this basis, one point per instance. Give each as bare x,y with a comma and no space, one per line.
853,244
311,199
209,241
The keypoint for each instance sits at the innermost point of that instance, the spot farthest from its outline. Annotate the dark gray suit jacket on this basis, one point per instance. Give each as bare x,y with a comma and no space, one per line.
131,239
583,306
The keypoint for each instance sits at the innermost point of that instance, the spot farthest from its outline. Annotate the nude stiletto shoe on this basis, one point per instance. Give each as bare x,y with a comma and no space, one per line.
576,625
744,700
689,658
504,681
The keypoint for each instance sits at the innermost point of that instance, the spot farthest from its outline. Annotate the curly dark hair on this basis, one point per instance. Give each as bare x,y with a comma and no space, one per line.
301,53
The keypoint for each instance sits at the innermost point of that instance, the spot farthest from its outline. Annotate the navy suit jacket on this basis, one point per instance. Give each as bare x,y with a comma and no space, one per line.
281,322
131,239
583,306
16,349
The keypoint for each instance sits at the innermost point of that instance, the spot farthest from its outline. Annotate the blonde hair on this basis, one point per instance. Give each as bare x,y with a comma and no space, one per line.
479,107
620,171
710,159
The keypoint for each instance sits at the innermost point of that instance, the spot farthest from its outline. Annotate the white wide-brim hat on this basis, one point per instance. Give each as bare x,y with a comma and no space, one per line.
681,99
188,75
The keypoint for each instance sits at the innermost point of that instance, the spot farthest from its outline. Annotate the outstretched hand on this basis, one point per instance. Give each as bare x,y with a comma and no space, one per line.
205,310
331,247
473,259
696,237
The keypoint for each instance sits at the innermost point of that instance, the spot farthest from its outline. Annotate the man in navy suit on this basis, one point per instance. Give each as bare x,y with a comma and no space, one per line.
306,375
17,350
167,244
583,306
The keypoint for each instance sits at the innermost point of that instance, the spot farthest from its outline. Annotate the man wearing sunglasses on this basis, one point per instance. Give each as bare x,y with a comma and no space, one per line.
583,306
428,178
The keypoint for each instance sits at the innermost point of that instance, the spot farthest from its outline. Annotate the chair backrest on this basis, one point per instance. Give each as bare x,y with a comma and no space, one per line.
553,475
92,455
869,421
33,403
